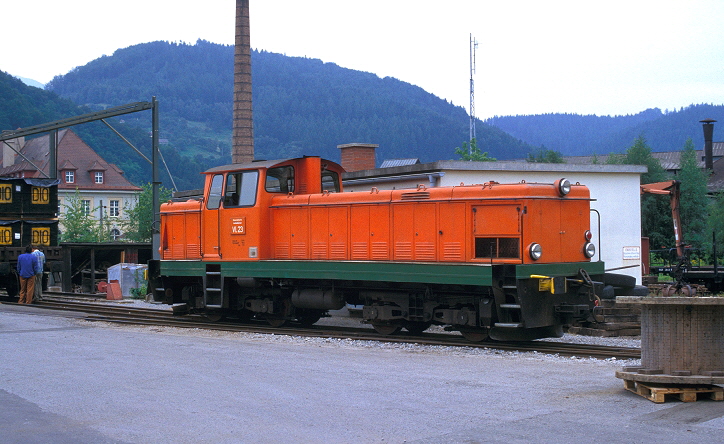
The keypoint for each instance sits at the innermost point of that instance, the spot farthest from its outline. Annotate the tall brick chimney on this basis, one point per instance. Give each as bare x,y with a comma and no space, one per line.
358,156
242,143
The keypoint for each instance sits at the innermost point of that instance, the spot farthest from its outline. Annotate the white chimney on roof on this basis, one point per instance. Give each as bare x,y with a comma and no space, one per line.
8,153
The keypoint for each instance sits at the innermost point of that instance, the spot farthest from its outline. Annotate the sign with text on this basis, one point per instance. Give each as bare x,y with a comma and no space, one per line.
632,253
238,225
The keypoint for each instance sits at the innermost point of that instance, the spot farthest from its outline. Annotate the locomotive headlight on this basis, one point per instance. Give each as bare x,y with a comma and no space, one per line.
588,235
589,250
535,251
563,186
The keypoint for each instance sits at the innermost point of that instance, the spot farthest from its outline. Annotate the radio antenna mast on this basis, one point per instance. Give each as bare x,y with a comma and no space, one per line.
473,46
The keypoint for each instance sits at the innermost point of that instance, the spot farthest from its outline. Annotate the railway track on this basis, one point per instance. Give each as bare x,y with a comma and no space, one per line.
151,317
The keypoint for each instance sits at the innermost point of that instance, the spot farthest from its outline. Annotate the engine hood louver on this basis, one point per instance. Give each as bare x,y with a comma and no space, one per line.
415,196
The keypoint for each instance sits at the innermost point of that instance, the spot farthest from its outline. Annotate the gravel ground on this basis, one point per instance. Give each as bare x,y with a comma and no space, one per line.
67,380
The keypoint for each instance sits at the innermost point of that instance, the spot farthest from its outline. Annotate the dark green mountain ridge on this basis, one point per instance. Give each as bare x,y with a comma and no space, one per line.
301,106
577,135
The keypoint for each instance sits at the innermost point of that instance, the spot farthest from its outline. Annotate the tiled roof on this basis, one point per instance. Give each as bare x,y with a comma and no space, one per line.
67,166
97,166
73,154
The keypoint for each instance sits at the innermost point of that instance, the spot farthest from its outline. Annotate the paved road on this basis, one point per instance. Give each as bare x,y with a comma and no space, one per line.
66,381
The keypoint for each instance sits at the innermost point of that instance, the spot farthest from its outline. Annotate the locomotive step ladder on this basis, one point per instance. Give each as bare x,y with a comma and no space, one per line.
213,286
512,312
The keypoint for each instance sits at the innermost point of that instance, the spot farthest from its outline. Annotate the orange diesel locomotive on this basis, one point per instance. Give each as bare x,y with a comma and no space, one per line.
279,240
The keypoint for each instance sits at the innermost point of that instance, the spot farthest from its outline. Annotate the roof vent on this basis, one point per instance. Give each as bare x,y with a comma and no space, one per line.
417,195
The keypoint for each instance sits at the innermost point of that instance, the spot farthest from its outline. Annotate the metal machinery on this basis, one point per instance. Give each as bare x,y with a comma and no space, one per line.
28,207
279,240
671,188
27,216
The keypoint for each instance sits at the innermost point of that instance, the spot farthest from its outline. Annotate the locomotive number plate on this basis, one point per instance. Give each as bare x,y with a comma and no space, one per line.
238,225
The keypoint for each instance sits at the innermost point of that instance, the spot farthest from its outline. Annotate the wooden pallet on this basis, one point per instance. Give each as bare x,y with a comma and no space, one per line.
686,393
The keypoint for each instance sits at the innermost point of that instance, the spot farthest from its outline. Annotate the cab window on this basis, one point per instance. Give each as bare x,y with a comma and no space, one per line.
241,189
214,200
330,181
280,180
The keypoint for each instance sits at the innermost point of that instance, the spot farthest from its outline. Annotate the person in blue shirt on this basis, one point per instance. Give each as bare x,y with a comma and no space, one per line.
27,269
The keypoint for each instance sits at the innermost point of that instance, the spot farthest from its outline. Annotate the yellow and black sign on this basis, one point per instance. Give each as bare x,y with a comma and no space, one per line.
41,236
6,193
6,236
41,195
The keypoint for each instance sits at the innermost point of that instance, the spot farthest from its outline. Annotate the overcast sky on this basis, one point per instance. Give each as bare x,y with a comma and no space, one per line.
605,58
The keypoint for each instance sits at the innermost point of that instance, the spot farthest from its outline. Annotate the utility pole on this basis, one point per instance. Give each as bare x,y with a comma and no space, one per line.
473,47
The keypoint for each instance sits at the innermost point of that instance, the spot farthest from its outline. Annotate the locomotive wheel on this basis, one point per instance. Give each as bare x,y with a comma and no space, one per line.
309,318
474,335
275,322
386,329
213,317
416,328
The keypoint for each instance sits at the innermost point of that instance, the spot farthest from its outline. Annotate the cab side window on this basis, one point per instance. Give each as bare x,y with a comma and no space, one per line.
330,181
214,200
240,189
280,180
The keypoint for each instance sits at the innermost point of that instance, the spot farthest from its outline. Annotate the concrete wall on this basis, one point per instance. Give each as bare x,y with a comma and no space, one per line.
614,188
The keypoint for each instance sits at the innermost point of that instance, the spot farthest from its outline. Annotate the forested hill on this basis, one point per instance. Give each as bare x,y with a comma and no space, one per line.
576,135
22,105
301,106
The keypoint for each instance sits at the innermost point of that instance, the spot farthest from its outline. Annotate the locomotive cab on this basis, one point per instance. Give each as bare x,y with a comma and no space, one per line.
231,221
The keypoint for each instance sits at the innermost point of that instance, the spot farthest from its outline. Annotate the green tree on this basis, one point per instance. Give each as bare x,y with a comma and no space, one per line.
544,155
78,224
640,154
694,207
138,227
473,153
615,159
656,222
715,221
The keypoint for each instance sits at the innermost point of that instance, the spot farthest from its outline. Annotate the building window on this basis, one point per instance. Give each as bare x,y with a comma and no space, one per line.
86,207
115,208
115,233
99,176
69,176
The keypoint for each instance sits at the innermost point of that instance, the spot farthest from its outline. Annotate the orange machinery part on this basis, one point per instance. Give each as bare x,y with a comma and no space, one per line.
427,224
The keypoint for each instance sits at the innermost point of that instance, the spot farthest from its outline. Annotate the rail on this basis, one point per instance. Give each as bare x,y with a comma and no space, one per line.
119,314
